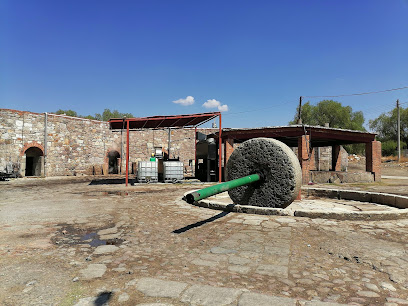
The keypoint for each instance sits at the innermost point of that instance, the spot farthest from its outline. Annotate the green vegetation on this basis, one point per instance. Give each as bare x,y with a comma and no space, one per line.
332,112
385,126
74,294
338,116
105,116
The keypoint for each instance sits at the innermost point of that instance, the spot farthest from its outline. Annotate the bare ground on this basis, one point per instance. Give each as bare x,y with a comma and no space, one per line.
51,236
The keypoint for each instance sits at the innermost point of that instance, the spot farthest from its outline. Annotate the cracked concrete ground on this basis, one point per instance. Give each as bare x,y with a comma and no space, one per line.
74,243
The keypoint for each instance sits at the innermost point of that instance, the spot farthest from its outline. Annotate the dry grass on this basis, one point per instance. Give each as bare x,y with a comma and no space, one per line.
403,159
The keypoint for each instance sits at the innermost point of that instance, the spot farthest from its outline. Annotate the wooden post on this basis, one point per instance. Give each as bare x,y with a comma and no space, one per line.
300,111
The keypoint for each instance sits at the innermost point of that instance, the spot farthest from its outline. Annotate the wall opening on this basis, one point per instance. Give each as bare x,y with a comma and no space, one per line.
113,162
33,161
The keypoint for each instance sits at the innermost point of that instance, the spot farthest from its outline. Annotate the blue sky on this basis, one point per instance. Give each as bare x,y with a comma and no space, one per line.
253,57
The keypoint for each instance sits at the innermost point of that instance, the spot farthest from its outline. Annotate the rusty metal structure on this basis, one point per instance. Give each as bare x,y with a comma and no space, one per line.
162,122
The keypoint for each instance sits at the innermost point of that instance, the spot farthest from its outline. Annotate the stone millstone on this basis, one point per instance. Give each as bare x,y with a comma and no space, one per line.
275,162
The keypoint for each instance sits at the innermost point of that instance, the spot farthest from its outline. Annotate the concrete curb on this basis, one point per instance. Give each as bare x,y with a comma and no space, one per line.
388,199
363,196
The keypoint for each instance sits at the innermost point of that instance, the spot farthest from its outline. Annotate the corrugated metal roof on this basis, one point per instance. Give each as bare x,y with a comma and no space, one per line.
156,122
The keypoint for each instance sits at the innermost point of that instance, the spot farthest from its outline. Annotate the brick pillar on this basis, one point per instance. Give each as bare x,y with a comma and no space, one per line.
304,160
228,149
373,159
336,158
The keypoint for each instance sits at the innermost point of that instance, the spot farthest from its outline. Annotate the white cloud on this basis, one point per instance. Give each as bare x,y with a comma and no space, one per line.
212,103
189,100
223,108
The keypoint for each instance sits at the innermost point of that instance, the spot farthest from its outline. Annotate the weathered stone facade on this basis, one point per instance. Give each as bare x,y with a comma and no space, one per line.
74,146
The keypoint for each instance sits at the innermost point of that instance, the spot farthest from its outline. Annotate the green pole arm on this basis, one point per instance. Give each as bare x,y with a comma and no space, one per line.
212,190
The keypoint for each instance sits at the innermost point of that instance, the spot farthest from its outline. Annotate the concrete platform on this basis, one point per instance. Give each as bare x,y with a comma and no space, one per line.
325,203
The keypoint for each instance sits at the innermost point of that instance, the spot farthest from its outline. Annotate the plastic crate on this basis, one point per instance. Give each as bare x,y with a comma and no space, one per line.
173,171
147,171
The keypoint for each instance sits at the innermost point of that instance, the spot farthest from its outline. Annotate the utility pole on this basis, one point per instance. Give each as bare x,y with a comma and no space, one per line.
398,131
300,111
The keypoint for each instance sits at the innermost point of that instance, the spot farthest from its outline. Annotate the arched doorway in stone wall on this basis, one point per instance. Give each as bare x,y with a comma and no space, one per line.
34,161
113,162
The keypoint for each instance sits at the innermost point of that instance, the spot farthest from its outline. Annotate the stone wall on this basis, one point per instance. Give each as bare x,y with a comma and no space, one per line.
322,158
74,146
321,177
324,161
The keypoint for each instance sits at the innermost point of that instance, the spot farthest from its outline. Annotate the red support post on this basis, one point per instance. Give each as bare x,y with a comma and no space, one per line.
127,152
220,153
195,150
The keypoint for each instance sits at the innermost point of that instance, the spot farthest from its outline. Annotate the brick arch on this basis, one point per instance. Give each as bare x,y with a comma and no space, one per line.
106,159
111,150
30,145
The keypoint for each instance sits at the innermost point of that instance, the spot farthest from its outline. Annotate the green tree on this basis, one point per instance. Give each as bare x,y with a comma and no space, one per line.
332,112
89,117
68,112
385,126
336,115
108,114
105,116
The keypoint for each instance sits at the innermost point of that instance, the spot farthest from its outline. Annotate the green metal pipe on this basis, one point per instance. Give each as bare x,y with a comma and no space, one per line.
212,190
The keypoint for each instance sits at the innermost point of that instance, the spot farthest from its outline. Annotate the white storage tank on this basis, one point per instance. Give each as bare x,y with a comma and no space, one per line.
173,171
147,171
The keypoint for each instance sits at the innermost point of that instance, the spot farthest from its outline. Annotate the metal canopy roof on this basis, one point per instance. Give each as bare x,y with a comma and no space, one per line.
156,122
319,136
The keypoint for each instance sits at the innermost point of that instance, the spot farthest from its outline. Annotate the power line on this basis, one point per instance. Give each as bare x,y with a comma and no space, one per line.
378,108
358,94
258,109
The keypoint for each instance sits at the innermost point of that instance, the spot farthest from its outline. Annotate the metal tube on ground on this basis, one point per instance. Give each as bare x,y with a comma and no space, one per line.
212,190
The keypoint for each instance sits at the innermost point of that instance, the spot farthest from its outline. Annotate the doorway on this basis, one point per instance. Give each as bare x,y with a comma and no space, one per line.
33,161
113,162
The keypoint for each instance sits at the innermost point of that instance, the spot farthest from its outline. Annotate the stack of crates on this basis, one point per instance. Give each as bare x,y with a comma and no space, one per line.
173,171
147,171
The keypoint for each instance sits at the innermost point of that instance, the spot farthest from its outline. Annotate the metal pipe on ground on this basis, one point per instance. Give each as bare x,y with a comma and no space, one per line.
213,190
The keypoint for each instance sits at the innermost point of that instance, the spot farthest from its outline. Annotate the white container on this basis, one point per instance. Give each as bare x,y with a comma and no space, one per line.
173,171
147,171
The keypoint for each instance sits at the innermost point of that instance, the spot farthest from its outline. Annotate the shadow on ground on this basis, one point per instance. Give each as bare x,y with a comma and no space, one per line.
103,298
110,181
197,224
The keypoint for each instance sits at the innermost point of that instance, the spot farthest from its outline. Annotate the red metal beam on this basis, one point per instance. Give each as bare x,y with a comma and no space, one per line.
195,151
165,121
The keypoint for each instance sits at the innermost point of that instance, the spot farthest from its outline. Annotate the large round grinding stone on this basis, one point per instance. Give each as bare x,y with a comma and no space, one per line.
278,166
